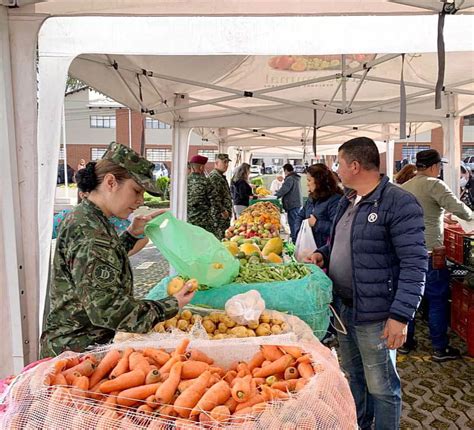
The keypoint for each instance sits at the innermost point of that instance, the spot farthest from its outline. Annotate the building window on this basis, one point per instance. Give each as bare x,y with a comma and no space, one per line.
154,123
209,153
409,152
97,153
158,154
469,120
61,153
102,121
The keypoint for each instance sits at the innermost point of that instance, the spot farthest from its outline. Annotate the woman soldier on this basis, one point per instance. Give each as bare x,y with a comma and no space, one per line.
91,294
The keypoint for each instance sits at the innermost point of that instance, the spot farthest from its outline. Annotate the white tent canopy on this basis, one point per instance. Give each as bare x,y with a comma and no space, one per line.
208,58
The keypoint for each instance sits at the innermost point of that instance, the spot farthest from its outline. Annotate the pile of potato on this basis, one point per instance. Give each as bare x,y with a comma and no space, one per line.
219,325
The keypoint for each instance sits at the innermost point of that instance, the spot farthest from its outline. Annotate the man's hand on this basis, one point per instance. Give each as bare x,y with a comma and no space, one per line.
137,227
184,296
315,258
448,219
394,333
312,220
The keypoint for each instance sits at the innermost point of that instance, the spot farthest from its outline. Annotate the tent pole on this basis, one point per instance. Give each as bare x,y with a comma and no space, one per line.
63,135
452,144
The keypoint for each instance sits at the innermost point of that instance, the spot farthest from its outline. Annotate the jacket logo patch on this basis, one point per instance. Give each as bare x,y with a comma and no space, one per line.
104,274
372,217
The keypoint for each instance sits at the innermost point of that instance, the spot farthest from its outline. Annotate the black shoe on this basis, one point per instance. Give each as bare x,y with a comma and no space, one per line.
448,353
408,347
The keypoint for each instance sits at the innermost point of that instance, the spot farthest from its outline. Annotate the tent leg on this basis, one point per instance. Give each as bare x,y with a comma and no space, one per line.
180,146
452,145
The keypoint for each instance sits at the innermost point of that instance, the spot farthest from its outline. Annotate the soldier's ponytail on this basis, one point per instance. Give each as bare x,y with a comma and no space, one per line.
86,178
89,178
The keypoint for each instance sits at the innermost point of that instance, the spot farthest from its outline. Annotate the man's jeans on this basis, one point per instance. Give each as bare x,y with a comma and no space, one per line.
292,214
370,368
436,296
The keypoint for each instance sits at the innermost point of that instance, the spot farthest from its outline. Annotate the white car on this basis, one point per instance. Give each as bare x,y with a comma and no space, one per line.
255,170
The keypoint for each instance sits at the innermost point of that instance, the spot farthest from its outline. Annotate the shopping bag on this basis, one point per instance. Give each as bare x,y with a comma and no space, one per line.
305,244
192,251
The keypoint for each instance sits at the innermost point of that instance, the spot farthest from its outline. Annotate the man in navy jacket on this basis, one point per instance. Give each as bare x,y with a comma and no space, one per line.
377,260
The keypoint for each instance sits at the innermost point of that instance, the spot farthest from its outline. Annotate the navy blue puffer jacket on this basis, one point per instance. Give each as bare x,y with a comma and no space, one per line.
324,211
389,256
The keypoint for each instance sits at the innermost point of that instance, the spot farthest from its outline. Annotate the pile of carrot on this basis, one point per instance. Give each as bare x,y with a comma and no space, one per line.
182,385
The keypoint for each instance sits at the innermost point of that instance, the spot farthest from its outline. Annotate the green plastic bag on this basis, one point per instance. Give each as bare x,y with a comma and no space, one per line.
192,251
307,298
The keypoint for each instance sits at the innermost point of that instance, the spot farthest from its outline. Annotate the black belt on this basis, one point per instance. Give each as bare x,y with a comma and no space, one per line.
347,302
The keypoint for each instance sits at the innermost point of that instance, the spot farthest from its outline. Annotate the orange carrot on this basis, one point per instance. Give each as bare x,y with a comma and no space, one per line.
242,369
71,377
81,385
256,360
111,400
105,365
122,365
277,366
145,409
158,355
300,384
230,376
165,393
204,418
241,389
197,355
151,401
259,407
192,369
305,370
123,382
184,384
231,404
85,368
60,365
59,379
138,361
304,359
266,363
167,411
133,395
291,373
294,351
72,361
259,381
106,420
167,366
272,394
217,395
289,385
220,413
94,392
271,352
153,376
189,398
182,347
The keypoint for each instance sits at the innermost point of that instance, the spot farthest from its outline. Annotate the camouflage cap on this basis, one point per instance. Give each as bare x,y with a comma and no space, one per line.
223,157
139,168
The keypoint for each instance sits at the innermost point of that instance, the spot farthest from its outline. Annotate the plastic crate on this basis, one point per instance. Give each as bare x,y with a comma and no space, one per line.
454,241
462,312
468,250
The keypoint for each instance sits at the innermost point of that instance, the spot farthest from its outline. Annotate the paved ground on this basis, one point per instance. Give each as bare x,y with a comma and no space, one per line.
435,396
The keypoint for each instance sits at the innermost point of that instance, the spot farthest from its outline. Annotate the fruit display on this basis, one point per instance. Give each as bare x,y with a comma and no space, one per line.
256,250
181,387
262,192
259,220
253,273
218,325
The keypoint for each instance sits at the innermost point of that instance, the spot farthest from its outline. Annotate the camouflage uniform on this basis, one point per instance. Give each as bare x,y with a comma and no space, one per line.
200,195
91,292
222,201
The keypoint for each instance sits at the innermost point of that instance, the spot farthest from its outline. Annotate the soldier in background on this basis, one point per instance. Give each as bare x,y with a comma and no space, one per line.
221,204
200,195
91,293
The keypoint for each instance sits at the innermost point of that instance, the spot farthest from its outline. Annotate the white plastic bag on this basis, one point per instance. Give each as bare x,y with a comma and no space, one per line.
245,308
305,244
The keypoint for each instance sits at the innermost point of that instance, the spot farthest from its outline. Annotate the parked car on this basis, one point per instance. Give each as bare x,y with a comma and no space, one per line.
269,170
299,168
70,173
160,170
469,162
255,170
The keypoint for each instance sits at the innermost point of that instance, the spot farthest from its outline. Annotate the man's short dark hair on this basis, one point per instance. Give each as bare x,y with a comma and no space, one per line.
363,150
288,167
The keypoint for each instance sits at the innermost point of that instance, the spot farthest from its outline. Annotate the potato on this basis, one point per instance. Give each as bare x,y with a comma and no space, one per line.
250,333
277,321
229,322
263,330
222,328
182,325
160,327
175,285
276,329
195,318
253,325
285,327
222,317
186,315
265,317
238,331
209,326
214,317
171,323
218,336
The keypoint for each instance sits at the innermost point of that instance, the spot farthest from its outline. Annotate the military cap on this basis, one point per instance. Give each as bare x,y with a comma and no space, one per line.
139,168
223,157
428,157
198,159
